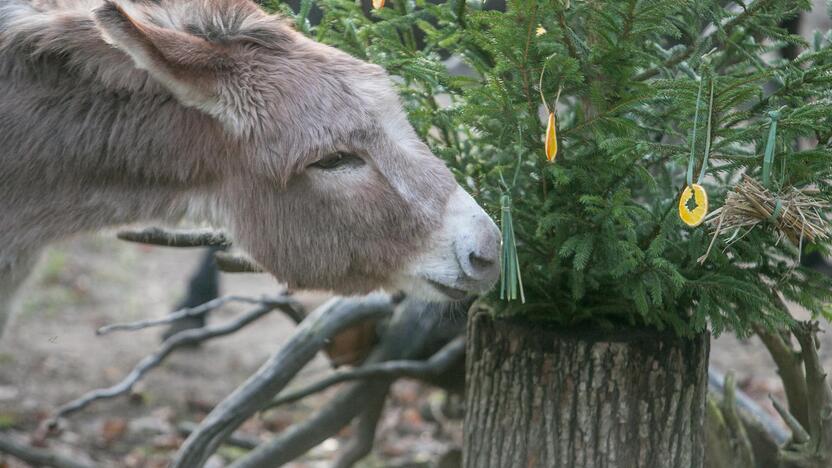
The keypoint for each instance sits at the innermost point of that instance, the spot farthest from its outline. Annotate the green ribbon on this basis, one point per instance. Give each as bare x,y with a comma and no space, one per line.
692,157
768,159
707,137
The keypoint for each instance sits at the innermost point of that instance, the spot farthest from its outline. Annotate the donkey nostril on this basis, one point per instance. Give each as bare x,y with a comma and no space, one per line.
480,263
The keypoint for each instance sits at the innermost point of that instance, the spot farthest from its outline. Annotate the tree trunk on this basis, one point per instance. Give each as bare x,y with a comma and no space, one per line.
537,397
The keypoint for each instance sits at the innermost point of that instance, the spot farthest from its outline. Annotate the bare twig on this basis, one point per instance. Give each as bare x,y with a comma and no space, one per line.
227,262
799,434
811,444
743,452
790,367
37,456
436,365
365,433
310,337
176,238
183,338
411,334
818,389
298,439
365,427
236,263
293,310
748,407
235,440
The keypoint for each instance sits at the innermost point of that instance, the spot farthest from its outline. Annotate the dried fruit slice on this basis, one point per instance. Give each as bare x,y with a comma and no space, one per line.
551,144
693,205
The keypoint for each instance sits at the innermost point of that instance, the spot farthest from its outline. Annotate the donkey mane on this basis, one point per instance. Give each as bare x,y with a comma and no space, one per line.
37,35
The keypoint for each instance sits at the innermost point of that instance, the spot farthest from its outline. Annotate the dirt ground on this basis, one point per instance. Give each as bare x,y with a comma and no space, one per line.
51,355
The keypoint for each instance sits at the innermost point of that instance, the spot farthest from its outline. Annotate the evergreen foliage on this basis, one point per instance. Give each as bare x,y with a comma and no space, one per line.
598,236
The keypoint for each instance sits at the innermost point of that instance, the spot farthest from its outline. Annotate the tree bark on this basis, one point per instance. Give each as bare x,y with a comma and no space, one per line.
538,397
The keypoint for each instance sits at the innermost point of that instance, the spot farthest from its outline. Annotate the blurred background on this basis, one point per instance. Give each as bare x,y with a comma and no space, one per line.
51,355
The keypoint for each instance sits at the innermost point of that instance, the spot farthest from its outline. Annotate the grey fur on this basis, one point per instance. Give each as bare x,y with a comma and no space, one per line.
113,114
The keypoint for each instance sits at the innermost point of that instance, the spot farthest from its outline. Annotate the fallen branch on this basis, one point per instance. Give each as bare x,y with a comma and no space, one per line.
300,438
819,391
790,368
183,338
226,262
799,434
175,238
727,441
310,337
361,443
235,440
411,334
37,456
743,451
433,367
744,403
292,309
236,263
811,441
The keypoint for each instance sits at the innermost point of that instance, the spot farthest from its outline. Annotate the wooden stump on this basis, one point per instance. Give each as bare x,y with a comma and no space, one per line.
537,397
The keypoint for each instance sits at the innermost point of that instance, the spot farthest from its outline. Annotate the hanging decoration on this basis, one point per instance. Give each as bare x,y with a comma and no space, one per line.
511,283
377,4
694,195
693,203
550,142
794,213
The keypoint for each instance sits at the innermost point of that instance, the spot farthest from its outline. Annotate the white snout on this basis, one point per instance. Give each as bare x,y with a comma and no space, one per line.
462,258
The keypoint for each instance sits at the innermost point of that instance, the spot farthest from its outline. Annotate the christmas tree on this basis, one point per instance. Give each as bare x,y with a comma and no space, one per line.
638,92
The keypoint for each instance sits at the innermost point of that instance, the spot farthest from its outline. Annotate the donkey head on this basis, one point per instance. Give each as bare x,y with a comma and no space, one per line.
328,187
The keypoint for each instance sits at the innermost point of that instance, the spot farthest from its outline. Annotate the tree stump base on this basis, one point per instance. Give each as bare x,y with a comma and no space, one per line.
538,397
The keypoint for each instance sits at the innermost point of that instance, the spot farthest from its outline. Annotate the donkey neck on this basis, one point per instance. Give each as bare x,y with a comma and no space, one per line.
58,129
76,156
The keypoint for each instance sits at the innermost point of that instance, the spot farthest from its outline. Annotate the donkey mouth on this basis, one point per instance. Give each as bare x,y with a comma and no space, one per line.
455,294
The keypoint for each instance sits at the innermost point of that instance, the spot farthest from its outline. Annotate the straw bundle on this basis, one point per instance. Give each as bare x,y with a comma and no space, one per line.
793,213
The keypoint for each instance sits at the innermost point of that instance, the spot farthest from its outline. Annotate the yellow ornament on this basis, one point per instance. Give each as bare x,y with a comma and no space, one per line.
540,31
378,4
551,144
693,205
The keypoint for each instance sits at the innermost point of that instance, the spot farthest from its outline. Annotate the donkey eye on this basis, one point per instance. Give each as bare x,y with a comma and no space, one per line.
338,160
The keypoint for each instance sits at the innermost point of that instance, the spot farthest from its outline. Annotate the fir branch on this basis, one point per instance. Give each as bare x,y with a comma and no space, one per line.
628,20
687,52
570,46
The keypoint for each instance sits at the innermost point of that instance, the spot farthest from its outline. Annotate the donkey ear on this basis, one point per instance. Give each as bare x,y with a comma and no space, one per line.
188,66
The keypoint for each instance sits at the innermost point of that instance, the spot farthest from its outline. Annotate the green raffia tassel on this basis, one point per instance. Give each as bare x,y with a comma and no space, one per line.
510,281
773,116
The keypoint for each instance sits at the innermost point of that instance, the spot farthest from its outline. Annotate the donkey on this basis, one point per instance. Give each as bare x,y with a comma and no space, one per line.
150,110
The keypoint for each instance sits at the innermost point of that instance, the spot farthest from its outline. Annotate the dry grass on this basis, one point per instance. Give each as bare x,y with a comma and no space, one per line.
794,213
